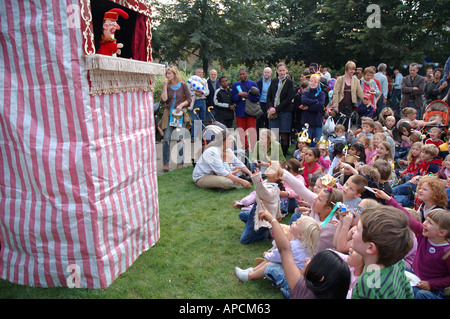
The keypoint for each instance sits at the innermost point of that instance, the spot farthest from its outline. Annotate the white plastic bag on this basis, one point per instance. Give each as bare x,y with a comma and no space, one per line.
328,126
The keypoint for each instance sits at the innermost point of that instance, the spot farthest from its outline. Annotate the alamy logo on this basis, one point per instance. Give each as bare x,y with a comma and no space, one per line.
374,20
374,279
73,281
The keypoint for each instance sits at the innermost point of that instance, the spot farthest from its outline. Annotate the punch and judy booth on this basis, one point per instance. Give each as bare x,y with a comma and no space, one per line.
78,186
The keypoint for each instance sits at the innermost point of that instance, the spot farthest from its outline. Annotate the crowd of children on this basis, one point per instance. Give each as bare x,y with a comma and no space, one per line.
375,200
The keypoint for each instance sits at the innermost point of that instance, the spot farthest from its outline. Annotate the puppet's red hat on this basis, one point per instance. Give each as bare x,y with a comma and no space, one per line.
113,14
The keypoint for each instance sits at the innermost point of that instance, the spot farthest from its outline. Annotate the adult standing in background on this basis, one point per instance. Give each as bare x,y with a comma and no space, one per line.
347,91
381,76
442,87
396,89
413,86
263,84
224,104
175,94
279,105
326,74
245,123
213,85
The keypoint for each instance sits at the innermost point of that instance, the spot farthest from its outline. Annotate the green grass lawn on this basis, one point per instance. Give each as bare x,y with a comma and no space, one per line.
194,258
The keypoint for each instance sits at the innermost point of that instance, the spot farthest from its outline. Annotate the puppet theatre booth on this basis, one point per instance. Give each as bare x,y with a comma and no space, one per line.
78,185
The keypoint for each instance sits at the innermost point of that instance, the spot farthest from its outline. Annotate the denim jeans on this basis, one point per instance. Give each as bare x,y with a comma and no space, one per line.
294,217
400,193
419,110
198,118
275,273
380,106
315,132
171,134
249,234
395,98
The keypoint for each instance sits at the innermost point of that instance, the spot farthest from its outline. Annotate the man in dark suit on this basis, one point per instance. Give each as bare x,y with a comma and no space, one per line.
413,87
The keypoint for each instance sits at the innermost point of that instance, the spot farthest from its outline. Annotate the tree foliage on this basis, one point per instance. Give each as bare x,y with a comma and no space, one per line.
329,32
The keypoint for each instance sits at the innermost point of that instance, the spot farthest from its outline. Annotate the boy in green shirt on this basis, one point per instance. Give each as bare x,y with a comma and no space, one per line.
383,239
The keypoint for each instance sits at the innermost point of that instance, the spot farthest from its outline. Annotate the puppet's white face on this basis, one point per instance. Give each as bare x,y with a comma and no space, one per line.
110,27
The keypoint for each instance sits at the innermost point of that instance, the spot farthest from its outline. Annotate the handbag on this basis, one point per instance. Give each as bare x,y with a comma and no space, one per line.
252,108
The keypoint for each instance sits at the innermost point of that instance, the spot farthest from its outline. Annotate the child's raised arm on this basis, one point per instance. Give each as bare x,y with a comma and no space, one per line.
299,188
416,226
291,270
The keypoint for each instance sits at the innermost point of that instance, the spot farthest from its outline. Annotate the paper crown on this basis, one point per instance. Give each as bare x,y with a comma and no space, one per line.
113,14
328,181
304,136
322,144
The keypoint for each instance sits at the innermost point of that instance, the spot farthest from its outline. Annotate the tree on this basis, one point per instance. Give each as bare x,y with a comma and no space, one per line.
290,22
230,31
410,30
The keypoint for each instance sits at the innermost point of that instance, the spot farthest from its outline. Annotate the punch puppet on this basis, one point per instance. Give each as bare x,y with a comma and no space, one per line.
108,44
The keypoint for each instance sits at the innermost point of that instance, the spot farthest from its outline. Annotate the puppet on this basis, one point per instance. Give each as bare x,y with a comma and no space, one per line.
108,44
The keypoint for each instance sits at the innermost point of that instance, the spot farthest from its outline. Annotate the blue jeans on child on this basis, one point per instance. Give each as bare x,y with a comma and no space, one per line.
315,132
275,273
249,234
401,193
294,217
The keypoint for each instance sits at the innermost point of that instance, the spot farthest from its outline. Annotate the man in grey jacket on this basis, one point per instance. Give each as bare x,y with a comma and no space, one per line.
413,87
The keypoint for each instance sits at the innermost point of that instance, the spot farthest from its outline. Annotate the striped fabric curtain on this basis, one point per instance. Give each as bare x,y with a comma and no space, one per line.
78,186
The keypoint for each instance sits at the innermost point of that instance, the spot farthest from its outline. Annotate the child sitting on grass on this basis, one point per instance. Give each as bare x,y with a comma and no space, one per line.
435,137
289,199
352,190
326,275
404,193
431,194
305,238
412,162
269,192
322,205
383,239
432,261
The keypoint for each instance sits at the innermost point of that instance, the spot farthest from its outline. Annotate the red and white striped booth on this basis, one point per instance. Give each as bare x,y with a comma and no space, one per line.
78,183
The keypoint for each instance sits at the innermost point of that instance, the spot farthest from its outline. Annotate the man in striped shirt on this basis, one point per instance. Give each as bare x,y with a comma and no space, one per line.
383,239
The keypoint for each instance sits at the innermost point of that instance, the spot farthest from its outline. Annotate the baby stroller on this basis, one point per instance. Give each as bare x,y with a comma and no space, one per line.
434,110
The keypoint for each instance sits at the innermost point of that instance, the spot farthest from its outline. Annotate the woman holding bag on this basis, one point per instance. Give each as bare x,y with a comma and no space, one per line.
279,105
347,91
177,97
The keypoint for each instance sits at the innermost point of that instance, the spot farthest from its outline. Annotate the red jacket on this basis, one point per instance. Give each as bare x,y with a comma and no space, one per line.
432,166
107,47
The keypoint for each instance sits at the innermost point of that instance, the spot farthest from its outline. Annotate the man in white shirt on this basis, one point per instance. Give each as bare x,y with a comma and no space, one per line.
396,89
326,74
381,76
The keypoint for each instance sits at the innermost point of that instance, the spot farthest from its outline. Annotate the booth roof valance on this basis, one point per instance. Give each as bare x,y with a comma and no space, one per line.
110,74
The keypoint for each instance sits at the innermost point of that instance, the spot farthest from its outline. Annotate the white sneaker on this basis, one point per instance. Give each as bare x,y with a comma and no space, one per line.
241,274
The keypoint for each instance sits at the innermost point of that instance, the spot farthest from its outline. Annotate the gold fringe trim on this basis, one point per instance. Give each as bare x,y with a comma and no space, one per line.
114,75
